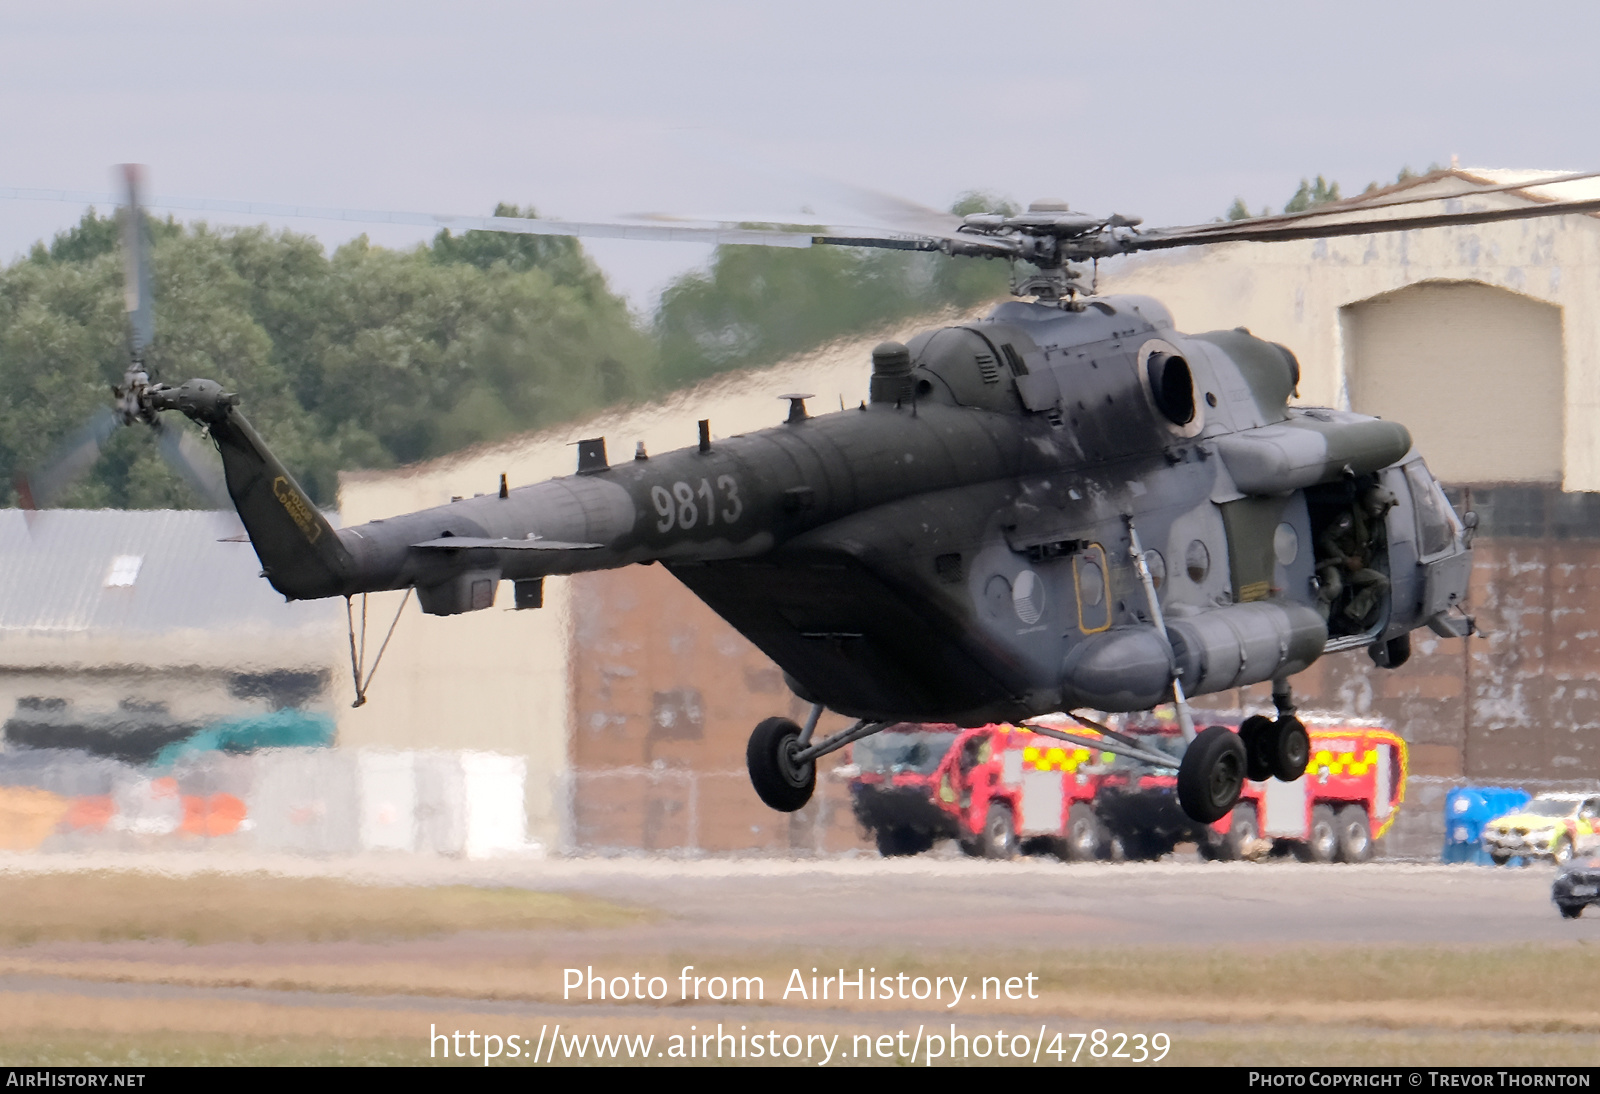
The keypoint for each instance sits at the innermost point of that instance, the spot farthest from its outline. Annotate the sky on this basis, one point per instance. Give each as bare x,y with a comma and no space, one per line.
1154,108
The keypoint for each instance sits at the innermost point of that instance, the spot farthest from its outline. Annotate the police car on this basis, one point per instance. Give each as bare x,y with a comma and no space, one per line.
1552,826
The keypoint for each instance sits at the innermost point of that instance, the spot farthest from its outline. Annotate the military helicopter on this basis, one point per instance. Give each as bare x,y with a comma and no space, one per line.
1066,506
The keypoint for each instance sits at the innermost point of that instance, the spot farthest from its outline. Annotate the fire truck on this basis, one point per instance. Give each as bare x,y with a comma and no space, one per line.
1000,790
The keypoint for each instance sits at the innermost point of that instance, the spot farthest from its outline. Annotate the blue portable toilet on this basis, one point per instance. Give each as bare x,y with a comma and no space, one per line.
1466,810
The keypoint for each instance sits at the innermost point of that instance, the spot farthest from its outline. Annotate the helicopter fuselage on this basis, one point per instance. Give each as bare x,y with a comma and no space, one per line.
957,549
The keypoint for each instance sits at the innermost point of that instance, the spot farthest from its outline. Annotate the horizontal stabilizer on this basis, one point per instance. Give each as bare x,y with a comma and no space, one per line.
457,543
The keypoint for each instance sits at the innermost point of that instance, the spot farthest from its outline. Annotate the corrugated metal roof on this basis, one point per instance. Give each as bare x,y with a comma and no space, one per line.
55,565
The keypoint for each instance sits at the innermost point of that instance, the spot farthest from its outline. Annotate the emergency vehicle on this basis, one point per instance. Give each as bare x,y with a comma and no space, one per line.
1551,826
1001,789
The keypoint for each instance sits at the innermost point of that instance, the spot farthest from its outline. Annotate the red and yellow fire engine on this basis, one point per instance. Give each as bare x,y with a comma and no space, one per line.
1000,789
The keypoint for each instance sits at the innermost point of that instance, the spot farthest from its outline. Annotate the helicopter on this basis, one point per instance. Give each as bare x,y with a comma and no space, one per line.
1068,505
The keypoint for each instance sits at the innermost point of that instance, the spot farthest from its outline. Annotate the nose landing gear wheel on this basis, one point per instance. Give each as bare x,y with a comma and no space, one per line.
782,782
1211,774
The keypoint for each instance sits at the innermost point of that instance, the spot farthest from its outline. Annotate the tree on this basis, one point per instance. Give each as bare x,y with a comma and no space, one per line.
367,358
1310,195
757,305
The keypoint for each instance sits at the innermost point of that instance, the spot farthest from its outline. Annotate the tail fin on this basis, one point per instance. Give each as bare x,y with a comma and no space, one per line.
300,552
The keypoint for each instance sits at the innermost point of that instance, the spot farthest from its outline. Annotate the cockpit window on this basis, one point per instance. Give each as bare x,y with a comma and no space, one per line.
1436,521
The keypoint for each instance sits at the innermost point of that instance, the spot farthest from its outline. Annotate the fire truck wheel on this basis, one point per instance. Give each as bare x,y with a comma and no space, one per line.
999,836
1243,831
780,781
897,842
1323,846
1355,834
1085,839
1499,860
1289,748
1256,732
971,848
1570,911
1211,774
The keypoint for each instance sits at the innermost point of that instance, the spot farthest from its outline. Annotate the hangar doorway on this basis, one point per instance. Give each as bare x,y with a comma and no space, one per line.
1475,372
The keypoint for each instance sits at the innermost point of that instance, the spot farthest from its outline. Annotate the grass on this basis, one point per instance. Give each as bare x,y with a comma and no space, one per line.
114,906
1310,1046
171,1049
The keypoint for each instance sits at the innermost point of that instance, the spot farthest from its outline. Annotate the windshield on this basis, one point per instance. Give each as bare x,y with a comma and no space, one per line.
1548,809
895,752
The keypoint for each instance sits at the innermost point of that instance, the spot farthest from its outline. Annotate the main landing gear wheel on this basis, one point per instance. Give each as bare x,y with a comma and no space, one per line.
1211,774
1256,732
780,781
1289,748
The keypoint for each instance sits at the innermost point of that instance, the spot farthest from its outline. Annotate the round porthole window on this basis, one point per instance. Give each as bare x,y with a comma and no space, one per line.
1157,565
1027,597
1286,544
1091,582
1197,561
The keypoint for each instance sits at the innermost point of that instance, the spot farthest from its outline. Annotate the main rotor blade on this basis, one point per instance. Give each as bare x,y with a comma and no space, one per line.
717,234
1248,231
198,467
39,489
883,209
1359,205
136,262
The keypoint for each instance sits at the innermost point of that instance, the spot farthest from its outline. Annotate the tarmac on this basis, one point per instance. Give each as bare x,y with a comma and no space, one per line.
943,901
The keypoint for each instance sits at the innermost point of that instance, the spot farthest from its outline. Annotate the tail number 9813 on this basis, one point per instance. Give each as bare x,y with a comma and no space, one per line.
685,506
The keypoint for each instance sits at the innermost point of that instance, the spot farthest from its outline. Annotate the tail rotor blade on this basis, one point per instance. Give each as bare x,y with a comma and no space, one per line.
136,262
199,468
41,488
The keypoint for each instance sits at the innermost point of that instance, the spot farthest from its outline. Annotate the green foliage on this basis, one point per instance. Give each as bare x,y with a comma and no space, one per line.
372,357
561,257
1310,195
1321,192
367,358
756,305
